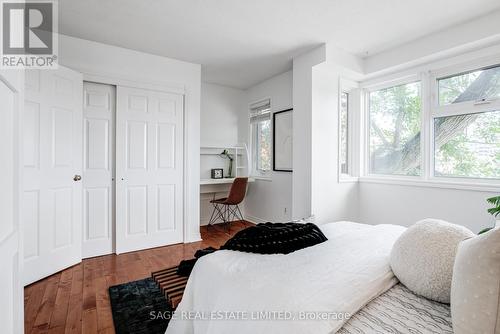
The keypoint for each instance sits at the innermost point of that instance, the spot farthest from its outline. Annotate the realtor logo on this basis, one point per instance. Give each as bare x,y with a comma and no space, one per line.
28,34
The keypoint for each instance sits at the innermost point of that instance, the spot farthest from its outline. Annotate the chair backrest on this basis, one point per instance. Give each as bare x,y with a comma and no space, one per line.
238,191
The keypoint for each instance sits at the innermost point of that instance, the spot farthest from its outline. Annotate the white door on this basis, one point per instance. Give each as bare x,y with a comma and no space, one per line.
52,159
149,169
98,169
11,291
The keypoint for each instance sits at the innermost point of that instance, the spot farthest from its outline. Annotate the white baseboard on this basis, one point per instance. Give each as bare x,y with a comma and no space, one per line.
255,220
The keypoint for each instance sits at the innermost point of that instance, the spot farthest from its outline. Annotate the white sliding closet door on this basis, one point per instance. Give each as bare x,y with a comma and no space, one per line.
149,169
98,169
52,159
11,291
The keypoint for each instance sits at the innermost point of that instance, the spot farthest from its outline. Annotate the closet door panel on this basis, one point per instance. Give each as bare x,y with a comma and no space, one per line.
52,160
149,167
11,292
99,161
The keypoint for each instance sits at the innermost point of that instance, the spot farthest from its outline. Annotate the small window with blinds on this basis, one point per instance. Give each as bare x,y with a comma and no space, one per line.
260,128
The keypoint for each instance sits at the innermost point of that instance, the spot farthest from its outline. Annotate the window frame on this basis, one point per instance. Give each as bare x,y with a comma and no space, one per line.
353,125
253,138
450,71
462,108
428,75
408,79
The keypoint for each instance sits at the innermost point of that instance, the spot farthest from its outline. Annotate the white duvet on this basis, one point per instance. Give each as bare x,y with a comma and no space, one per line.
312,290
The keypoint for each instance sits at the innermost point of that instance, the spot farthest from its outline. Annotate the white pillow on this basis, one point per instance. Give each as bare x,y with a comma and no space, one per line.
475,289
423,257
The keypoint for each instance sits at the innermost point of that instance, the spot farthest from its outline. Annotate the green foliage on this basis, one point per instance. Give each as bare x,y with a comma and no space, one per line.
474,151
495,210
484,230
395,120
264,145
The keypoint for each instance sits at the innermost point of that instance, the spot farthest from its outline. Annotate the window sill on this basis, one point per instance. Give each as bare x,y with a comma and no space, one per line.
348,179
262,178
434,183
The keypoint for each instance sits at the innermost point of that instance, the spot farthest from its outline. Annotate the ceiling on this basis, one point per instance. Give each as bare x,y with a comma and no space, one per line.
242,42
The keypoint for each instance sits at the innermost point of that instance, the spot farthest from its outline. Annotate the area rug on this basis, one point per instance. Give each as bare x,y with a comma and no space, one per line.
139,307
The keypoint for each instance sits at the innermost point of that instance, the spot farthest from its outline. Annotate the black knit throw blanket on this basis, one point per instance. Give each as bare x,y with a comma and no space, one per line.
275,238
267,238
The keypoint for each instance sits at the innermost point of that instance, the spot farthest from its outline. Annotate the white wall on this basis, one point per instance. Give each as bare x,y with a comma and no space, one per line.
302,131
316,187
223,123
223,115
112,65
469,36
331,199
270,199
405,205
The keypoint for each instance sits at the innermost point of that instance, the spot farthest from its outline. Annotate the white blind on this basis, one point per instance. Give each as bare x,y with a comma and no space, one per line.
260,111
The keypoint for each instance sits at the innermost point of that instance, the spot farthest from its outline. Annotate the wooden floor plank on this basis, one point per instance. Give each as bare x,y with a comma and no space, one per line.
32,306
60,312
46,309
76,300
75,306
103,305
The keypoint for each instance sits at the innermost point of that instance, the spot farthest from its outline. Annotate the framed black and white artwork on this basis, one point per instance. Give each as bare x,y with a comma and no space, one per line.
282,140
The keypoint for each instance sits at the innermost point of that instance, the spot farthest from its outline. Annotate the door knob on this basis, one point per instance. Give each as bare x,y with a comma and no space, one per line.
77,178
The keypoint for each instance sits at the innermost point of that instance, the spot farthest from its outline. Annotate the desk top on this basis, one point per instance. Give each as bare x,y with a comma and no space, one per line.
220,181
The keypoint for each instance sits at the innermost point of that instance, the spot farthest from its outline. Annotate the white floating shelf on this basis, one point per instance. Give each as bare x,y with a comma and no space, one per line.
220,181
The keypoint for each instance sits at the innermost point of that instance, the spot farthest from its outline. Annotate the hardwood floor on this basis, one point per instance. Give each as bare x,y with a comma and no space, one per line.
76,299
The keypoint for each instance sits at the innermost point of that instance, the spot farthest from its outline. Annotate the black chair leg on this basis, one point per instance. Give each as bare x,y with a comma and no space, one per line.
238,213
212,219
226,213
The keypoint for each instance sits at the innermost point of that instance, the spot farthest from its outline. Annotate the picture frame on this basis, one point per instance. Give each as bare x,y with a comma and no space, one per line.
217,173
283,140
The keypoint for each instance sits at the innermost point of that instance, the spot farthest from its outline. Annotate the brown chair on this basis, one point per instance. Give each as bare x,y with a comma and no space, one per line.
227,209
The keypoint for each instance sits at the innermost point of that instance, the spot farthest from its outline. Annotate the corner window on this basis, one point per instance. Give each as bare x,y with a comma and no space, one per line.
459,138
261,137
394,134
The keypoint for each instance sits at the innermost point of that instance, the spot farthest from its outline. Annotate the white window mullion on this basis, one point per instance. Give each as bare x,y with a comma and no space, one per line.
366,132
426,130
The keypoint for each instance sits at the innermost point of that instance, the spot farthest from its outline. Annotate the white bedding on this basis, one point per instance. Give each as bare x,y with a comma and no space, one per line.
234,292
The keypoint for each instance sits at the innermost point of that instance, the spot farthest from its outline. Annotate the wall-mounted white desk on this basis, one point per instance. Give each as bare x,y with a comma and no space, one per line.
217,185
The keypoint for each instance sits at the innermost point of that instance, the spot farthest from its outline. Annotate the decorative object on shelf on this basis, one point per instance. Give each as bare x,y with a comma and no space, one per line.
282,140
494,211
217,173
225,154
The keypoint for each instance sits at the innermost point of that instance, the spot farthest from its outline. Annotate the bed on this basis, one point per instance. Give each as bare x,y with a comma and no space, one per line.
342,285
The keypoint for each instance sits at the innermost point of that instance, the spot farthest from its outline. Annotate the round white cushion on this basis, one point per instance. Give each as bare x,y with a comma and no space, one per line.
423,257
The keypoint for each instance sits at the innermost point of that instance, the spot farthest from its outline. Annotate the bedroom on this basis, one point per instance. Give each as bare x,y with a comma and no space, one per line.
130,128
